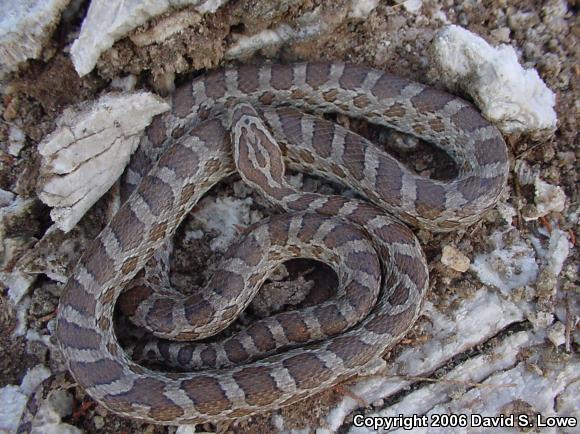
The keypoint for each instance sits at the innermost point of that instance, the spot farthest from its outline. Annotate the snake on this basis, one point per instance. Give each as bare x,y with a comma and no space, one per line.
258,121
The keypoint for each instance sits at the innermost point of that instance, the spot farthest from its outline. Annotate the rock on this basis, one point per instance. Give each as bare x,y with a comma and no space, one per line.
556,333
453,258
109,21
89,150
25,26
513,98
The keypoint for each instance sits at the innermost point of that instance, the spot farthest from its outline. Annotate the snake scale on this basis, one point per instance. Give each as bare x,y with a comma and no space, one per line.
245,119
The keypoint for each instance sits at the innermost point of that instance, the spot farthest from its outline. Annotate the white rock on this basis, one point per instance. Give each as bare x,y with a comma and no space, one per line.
18,284
451,332
556,333
25,26
13,402
226,216
309,25
166,27
412,6
6,197
453,258
89,150
16,140
33,378
506,267
14,398
362,8
558,251
108,21
124,84
513,98
547,197
48,419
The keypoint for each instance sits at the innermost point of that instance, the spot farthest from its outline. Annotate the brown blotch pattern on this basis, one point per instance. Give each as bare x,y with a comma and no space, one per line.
187,193
317,74
259,387
396,110
351,350
436,124
322,137
331,206
389,180
279,232
430,100
395,233
266,98
163,347
75,296
183,100
127,228
215,84
491,151
160,316
156,194
469,187
412,267
229,284
399,296
330,95
208,356
180,159
184,355
156,132
353,76
295,329
308,227
261,336
353,156
340,235
148,392
291,122
248,78
132,297
97,262
360,297
102,371
129,265
77,337
235,351
104,323
213,134
307,370
108,296
330,319
282,77
158,231
249,251
430,201
361,101
198,313
468,119
389,86
394,324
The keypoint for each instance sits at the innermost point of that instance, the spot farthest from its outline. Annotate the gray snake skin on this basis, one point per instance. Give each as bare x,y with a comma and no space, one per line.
244,119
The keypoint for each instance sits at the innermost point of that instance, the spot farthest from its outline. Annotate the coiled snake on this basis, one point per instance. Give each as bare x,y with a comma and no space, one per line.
237,119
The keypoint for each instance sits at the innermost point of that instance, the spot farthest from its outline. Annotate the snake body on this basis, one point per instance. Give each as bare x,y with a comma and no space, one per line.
244,119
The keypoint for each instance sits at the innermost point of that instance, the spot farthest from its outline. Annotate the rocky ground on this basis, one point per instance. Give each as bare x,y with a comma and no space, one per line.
499,333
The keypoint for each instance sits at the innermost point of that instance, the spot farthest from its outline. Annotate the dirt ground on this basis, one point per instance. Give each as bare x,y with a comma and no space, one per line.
390,38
